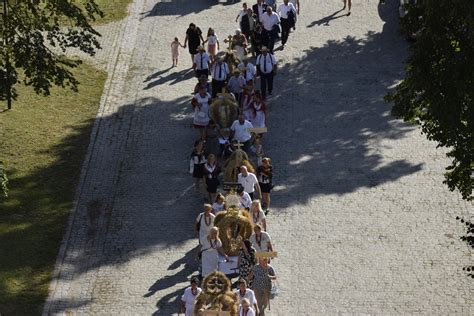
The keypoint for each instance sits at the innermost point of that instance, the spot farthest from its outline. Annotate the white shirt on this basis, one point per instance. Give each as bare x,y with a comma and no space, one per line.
220,71
250,70
245,200
236,84
250,312
266,63
261,11
212,39
268,21
284,9
218,207
190,300
204,229
257,218
247,182
263,245
249,294
241,134
204,57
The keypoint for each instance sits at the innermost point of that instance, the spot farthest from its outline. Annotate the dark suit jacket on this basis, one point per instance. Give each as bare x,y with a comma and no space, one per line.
255,11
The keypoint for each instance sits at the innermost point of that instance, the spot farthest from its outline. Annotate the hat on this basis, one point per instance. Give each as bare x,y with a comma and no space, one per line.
220,58
237,30
264,49
199,48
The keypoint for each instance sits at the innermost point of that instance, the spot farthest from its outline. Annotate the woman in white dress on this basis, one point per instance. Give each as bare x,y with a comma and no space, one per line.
188,300
259,118
211,247
205,222
200,104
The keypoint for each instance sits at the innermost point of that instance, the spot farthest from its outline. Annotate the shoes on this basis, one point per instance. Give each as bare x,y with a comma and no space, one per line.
267,211
348,13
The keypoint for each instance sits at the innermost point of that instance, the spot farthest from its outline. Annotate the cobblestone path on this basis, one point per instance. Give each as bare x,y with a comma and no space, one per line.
360,218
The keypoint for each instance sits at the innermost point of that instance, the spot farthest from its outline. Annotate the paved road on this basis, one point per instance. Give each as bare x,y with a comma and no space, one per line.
359,215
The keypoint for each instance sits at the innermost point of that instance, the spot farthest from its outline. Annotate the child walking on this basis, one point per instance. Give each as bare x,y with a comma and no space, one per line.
175,51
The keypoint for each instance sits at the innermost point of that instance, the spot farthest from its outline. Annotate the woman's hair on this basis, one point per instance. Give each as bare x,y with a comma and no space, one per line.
211,156
207,207
266,159
245,302
194,280
191,25
176,39
210,31
220,196
256,202
214,230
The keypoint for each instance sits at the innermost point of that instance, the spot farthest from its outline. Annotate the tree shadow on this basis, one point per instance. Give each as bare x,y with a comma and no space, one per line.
325,21
183,7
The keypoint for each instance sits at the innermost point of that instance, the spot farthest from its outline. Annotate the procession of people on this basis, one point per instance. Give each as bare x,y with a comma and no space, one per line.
244,74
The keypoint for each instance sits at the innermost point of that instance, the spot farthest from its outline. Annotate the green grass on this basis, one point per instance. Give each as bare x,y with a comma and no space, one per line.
43,141
113,9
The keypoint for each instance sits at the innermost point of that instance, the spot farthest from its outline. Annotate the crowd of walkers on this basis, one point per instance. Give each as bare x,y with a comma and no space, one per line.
244,73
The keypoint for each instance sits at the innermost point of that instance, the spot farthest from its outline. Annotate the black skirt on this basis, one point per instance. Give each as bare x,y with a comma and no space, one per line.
198,171
212,184
265,187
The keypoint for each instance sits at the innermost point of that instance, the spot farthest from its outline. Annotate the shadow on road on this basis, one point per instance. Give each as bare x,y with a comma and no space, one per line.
183,7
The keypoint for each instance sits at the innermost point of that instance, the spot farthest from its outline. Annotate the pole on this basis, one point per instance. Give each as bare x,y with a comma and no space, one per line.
7,57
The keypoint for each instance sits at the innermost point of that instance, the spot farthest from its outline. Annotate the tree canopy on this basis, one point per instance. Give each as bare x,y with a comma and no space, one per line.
35,35
438,90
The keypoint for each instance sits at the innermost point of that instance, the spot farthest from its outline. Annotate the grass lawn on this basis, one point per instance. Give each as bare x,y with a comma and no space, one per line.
113,9
43,141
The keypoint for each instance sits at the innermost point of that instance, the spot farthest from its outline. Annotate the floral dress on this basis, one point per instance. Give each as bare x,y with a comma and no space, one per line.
247,261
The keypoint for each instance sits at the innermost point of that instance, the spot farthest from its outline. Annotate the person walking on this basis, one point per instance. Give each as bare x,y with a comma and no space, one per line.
270,21
246,259
196,164
201,62
266,68
245,309
204,222
188,300
240,133
258,216
244,20
249,70
200,104
243,292
249,181
211,174
212,44
259,10
261,240
219,72
175,51
262,276
211,248
193,39
287,12
264,176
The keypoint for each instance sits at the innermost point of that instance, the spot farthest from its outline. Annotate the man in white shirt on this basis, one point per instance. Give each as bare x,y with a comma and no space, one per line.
249,181
219,71
287,12
270,22
239,132
201,62
244,292
249,69
245,199
267,65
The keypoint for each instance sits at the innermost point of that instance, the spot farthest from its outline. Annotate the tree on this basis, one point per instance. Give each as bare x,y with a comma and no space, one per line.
438,90
35,35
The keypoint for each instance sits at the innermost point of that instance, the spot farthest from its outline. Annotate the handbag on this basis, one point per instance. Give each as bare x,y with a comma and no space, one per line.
274,290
